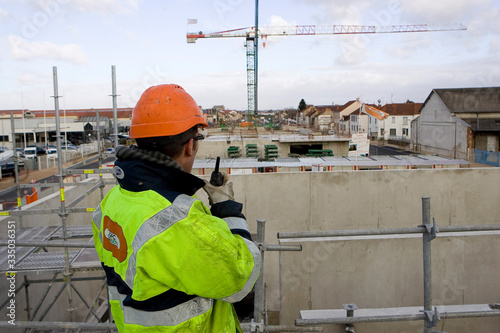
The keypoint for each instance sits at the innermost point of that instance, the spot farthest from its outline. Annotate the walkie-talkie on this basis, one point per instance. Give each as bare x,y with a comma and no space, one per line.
217,178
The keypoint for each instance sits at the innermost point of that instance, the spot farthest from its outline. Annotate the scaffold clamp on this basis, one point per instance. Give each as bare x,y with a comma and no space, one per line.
431,229
350,309
433,316
256,327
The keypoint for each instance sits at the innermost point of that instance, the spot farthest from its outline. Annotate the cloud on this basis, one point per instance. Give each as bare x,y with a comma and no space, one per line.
105,7
32,78
494,46
20,49
278,21
444,11
3,13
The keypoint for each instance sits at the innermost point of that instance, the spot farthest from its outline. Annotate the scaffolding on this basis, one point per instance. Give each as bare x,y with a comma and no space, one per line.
27,252
310,321
34,256
429,314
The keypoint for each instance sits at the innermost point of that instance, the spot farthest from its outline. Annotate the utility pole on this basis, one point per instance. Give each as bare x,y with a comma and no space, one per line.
115,120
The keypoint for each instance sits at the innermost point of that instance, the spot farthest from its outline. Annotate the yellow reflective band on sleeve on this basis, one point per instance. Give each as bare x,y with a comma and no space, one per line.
257,259
168,317
4,213
88,171
61,194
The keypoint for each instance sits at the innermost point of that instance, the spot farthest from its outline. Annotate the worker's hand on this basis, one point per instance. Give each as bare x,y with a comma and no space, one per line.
221,193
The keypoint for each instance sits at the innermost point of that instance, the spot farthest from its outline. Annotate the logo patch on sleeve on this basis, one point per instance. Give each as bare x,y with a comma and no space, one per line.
114,240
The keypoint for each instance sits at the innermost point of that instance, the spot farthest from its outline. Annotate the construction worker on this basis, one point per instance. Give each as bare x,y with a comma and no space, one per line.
172,264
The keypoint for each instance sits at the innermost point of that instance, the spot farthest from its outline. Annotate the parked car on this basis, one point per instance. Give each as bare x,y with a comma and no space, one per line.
52,153
67,143
110,150
69,147
30,152
9,167
20,152
39,150
47,147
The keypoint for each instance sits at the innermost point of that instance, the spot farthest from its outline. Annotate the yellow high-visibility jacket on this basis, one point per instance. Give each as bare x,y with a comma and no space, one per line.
171,265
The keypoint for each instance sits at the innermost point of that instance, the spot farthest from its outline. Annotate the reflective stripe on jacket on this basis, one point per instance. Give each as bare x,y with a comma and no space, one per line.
172,266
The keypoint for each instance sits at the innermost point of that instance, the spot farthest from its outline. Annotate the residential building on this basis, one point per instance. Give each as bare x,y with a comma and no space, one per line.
306,116
348,121
357,117
229,116
327,116
373,116
397,126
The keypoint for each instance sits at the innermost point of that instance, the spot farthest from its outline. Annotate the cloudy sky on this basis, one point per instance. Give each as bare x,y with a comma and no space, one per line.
146,41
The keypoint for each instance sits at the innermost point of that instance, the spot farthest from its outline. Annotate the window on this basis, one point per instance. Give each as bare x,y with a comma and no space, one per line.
392,132
393,120
405,131
405,120
303,149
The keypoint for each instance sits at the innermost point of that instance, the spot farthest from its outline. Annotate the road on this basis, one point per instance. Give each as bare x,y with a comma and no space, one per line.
388,150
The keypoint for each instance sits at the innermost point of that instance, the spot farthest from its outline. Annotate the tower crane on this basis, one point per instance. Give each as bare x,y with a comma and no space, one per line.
251,34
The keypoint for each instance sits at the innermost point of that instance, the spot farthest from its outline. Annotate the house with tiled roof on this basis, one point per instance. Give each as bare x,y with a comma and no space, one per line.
229,116
326,116
348,118
460,123
397,126
322,117
306,116
357,117
372,120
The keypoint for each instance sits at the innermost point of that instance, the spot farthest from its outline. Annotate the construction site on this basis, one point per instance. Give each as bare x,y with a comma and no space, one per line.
350,241
346,244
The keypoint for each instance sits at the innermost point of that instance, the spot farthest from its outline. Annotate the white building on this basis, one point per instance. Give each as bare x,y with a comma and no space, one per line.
397,126
361,118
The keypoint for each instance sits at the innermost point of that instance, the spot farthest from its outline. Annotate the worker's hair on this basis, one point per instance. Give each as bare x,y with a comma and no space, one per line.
168,145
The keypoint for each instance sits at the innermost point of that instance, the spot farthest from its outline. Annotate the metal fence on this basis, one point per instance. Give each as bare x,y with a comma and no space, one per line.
487,157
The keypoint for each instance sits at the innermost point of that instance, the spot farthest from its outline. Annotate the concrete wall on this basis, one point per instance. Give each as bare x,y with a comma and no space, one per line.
374,272
438,132
377,273
214,148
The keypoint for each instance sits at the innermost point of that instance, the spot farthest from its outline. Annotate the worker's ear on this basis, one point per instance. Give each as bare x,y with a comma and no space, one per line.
189,148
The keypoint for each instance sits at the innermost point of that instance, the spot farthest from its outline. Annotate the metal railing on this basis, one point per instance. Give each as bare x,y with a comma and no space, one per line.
429,231
430,315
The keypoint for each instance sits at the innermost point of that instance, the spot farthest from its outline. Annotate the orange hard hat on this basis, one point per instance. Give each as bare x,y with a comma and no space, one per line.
164,110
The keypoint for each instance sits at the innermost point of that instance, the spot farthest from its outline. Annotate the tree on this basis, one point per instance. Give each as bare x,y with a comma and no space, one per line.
302,104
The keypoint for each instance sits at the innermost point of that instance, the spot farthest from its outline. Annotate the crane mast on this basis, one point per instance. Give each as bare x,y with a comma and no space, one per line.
251,35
